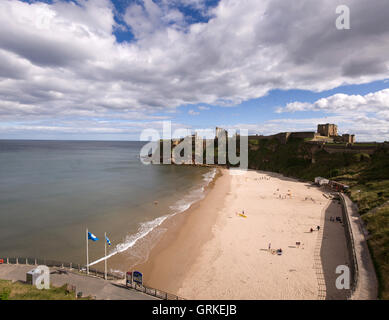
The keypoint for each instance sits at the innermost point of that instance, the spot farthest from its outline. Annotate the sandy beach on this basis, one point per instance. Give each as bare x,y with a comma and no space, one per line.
212,252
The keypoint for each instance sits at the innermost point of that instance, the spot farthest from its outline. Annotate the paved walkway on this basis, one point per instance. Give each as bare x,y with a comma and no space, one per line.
367,286
89,286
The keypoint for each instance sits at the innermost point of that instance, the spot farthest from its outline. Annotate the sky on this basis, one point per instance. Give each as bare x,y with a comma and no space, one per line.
107,70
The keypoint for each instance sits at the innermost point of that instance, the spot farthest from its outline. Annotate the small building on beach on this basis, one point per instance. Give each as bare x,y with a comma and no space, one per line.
337,186
321,181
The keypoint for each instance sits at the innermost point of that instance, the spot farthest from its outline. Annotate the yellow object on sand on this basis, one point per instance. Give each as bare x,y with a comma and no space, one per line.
242,215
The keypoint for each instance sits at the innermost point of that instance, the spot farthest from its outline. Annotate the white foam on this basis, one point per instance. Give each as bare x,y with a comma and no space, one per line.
146,227
194,195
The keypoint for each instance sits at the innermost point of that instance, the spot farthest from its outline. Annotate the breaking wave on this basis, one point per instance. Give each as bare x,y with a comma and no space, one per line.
145,228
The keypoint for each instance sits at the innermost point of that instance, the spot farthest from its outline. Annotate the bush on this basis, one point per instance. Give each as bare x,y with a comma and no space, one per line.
4,294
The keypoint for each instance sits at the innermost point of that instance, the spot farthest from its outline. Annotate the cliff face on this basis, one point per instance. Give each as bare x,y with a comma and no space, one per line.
306,160
273,155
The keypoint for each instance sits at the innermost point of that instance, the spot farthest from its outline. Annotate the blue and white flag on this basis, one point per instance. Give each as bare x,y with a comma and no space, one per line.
92,237
109,242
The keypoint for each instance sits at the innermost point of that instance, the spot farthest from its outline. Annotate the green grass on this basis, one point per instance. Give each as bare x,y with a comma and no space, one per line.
20,291
378,227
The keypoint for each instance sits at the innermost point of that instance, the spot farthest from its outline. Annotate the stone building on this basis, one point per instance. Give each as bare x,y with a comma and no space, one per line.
348,138
327,130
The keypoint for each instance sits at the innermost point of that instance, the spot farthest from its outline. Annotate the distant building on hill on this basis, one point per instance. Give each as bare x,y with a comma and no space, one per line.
326,133
331,131
348,138
345,138
327,130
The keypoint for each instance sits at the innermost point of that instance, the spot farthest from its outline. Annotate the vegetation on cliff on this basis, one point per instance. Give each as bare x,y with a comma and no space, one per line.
20,291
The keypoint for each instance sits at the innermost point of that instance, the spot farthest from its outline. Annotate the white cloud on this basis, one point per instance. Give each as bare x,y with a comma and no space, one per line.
345,104
61,60
193,113
203,108
365,115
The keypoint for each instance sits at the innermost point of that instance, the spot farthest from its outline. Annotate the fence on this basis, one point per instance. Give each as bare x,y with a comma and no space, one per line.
57,264
153,292
350,245
92,272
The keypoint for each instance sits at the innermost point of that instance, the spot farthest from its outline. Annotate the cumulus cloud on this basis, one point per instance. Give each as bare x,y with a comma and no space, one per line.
62,61
346,104
365,115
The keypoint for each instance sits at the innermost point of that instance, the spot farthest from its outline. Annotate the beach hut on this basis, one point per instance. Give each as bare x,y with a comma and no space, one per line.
321,181
32,276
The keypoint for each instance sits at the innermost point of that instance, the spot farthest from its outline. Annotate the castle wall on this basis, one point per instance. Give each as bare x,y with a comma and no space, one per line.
303,135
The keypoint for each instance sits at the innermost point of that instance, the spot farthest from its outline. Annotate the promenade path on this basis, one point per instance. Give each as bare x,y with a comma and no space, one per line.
367,286
89,286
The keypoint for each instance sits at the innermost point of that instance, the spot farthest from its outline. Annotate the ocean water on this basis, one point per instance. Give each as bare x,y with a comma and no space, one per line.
51,191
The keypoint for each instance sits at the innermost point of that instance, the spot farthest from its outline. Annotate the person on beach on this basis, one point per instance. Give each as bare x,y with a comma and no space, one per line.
318,228
311,230
269,245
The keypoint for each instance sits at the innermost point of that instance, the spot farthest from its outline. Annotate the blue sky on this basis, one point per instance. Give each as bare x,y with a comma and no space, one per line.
263,109
106,70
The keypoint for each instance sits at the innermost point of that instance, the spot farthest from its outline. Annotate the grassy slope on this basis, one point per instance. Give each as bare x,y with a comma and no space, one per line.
378,226
367,176
21,291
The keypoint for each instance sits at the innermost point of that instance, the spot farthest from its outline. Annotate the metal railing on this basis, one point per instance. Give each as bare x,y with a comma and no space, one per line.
350,238
152,292
92,272
58,264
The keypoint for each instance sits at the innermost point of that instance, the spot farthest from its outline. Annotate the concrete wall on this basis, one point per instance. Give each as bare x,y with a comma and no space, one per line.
350,246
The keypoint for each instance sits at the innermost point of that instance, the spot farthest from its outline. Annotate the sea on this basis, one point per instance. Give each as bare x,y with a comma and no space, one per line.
52,191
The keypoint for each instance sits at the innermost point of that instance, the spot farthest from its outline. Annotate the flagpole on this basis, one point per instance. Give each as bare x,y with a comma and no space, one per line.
87,253
105,260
